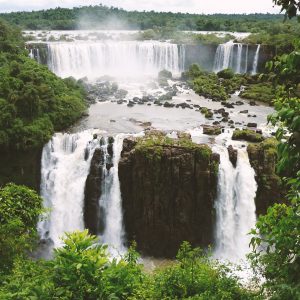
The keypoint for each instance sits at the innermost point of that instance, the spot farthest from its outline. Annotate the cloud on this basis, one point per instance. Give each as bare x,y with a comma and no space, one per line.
190,6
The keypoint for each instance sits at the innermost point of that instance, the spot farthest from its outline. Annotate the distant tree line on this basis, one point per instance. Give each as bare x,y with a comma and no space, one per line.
102,17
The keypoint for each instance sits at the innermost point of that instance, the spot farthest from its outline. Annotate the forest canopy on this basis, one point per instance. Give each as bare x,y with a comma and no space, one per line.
33,101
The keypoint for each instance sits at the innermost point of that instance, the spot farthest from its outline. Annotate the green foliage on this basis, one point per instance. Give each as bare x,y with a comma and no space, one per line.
218,87
247,135
277,233
263,92
289,6
226,74
81,269
286,71
100,17
193,276
20,208
33,101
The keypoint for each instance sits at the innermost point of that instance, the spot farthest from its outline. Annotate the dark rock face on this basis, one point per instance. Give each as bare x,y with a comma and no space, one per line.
168,194
21,167
93,192
232,155
263,158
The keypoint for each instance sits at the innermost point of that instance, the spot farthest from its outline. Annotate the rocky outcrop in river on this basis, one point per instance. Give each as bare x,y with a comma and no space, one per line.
168,189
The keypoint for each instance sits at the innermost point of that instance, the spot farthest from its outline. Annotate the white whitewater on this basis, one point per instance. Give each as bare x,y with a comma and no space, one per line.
239,58
236,57
224,56
116,58
256,58
235,206
111,201
65,165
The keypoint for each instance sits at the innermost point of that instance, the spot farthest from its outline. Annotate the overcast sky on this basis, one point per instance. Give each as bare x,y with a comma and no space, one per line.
191,6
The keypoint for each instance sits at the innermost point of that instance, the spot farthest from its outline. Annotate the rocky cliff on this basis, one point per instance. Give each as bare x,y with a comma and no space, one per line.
21,167
168,189
263,157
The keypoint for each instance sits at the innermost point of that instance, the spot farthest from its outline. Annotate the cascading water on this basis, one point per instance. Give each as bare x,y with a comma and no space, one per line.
255,62
94,59
66,163
236,57
224,56
235,206
65,166
111,203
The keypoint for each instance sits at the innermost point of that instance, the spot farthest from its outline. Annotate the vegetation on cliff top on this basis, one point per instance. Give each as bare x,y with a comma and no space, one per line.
153,143
33,101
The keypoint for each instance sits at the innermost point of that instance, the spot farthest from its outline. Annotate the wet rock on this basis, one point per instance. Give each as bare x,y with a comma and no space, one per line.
211,130
178,181
252,103
247,135
232,155
167,104
93,192
239,103
244,111
253,125
263,158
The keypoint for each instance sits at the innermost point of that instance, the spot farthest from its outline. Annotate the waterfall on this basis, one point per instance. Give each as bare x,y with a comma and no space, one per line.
236,57
93,59
66,161
34,53
235,206
239,58
246,59
111,201
255,61
224,56
65,166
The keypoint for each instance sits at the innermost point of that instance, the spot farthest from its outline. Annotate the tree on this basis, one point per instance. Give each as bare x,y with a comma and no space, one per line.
291,7
276,239
20,208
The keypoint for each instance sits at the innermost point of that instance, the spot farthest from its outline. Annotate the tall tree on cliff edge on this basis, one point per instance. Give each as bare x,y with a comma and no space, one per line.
276,241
